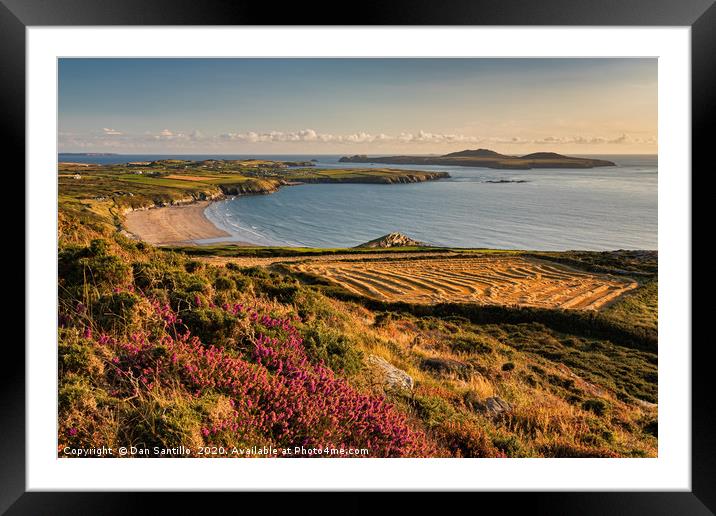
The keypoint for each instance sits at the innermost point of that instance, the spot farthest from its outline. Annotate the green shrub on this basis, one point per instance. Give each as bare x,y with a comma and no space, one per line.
433,410
470,343
150,275
599,407
255,272
332,347
193,266
75,391
383,319
224,283
115,310
652,427
312,305
98,247
106,271
211,325
197,284
80,268
151,423
73,355
283,290
510,445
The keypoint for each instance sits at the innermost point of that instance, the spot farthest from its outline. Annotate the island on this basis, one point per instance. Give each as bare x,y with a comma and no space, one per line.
486,158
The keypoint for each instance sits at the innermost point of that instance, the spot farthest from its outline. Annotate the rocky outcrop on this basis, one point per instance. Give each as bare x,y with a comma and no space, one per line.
250,188
388,376
392,240
492,407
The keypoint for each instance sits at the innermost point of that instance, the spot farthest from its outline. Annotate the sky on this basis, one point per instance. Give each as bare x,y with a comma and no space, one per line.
359,106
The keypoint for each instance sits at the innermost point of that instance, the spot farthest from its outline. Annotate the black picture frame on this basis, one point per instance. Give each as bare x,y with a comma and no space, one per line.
700,15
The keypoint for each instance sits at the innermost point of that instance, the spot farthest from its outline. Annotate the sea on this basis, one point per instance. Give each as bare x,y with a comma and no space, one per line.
540,209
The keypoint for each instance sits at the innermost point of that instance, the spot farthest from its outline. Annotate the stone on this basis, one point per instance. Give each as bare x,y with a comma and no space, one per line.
492,407
389,376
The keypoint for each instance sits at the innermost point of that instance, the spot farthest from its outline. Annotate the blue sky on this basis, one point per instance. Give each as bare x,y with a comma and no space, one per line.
357,105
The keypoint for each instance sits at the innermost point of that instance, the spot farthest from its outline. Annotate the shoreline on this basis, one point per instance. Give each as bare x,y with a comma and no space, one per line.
185,223
174,225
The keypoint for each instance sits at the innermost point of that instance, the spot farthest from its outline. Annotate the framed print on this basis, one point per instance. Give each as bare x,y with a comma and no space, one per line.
443,248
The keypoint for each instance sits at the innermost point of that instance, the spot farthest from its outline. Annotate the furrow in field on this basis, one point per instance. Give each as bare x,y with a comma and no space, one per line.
420,284
378,279
366,288
428,282
484,279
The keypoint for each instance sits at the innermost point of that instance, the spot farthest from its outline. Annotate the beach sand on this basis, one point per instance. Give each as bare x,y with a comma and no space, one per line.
173,225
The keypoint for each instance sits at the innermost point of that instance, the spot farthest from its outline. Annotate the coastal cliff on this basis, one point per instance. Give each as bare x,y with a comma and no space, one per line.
395,178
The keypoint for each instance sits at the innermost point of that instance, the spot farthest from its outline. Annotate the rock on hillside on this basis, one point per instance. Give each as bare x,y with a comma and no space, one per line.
388,376
392,240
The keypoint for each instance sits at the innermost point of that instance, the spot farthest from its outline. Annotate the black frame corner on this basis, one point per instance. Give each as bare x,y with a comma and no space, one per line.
700,15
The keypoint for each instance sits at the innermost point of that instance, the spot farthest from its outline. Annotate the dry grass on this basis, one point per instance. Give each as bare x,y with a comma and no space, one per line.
553,411
486,279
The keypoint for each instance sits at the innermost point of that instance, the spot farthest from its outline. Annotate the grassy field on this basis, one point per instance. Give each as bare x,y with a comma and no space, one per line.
191,347
482,279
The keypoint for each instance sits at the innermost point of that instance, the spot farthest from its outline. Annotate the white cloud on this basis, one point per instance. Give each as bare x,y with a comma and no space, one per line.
173,139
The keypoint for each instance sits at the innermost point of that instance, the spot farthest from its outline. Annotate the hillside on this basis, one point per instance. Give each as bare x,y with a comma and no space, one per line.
288,349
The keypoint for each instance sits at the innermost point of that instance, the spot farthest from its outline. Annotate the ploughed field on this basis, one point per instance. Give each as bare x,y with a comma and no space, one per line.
486,279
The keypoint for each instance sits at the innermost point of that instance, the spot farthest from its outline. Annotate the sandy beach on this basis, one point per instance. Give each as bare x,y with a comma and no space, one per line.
173,225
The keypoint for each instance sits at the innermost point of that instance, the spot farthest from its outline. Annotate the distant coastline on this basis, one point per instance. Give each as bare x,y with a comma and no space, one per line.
486,158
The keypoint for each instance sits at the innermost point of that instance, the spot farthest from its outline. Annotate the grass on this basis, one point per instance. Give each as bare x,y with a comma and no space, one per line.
230,250
271,252
640,308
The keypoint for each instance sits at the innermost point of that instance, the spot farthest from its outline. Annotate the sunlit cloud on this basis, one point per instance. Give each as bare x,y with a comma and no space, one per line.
172,140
